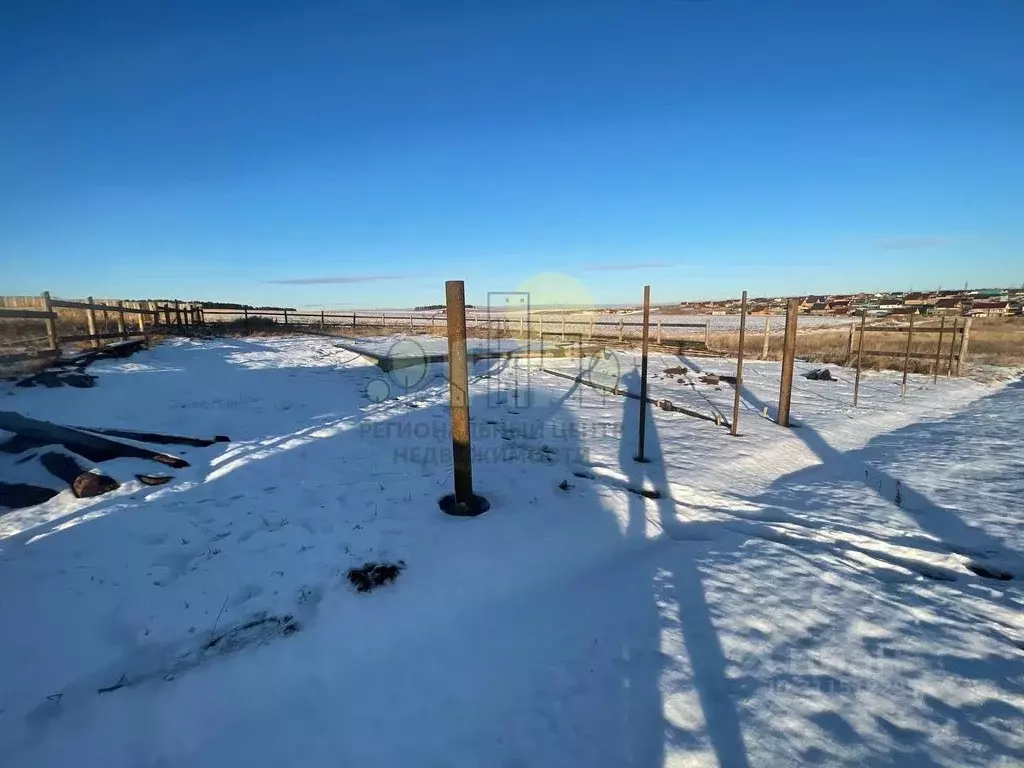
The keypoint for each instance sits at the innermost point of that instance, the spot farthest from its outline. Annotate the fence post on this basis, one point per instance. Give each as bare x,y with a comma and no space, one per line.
353,321
323,321
563,327
463,502
246,311
788,361
641,437
590,337
767,336
938,351
860,355
141,318
177,313
120,320
849,346
522,325
906,359
952,346
620,327
739,368
51,323
659,331
90,319
167,315
965,341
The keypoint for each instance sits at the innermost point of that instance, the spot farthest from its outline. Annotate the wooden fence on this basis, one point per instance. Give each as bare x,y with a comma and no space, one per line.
59,323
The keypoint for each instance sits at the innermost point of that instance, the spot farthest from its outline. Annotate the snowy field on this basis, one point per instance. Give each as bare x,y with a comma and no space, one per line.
776,605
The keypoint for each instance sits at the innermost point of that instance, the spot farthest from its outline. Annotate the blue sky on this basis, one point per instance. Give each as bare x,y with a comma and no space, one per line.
359,154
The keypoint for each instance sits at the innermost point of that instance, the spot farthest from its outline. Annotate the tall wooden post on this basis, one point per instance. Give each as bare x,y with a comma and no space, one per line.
463,502
177,313
245,310
620,327
849,346
965,341
659,331
323,321
563,326
591,336
860,355
906,358
707,332
739,367
353,321
952,346
788,361
522,325
767,337
120,320
167,315
51,323
641,437
938,351
90,320
141,317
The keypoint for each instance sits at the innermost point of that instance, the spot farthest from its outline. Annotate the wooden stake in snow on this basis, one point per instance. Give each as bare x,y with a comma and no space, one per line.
860,354
463,502
788,361
938,350
767,337
739,367
643,376
906,358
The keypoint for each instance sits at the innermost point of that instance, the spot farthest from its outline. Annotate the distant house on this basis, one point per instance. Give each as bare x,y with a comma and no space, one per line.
841,307
952,305
990,309
905,310
890,304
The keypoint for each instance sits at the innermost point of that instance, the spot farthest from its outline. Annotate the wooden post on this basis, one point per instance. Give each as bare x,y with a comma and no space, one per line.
938,351
286,317
849,345
323,321
788,361
591,336
739,367
707,332
522,322
410,323
563,326
353,321
659,331
463,502
90,319
965,341
641,437
167,314
120,320
767,337
177,313
906,358
51,324
620,327
246,311
860,355
952,345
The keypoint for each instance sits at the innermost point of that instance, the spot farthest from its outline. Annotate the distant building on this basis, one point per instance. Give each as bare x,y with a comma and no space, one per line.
990,309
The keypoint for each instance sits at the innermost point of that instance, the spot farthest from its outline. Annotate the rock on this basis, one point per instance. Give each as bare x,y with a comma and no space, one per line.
677,370
819,374
89,484
709,378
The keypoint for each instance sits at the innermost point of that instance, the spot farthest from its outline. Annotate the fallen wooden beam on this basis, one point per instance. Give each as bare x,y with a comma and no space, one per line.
155,437
91,446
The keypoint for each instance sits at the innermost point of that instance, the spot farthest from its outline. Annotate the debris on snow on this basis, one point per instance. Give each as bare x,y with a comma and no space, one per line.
372,575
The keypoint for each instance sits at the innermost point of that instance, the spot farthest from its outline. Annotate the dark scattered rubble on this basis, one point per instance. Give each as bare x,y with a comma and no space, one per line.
819,374
372,575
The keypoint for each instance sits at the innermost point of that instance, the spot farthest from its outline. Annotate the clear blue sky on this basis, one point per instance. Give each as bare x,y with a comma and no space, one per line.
373,149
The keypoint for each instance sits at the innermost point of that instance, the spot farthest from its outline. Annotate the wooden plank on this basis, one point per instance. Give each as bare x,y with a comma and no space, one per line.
27,314
51,324
900,329
965,341
62,304
897,353
38,354
95,336
90,315
788,362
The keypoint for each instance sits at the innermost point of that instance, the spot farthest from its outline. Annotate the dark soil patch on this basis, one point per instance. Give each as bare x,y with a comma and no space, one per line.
373,575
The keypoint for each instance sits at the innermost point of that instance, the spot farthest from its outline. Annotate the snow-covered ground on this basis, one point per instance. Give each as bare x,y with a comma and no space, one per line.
774,606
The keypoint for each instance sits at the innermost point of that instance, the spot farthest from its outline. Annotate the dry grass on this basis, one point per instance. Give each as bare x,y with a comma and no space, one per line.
994,341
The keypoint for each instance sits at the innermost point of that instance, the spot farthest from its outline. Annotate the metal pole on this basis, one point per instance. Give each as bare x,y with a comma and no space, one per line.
458,377
788,361
643,376
767,337
739,367
952,344
906,358
938,350
860,354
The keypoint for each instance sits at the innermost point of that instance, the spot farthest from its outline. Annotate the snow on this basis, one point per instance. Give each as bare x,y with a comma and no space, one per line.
773,607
